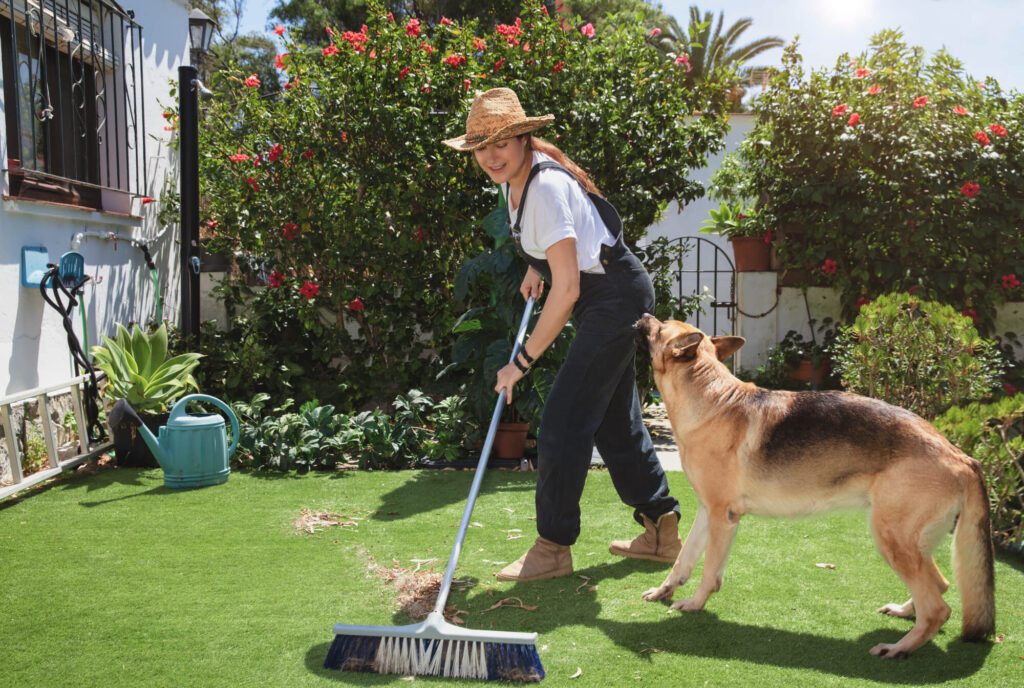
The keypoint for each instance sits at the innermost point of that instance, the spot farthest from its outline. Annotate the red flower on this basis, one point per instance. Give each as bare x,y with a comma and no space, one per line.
960,110
913,290
212,224
465,84
970,189
861,73
391,17
238,157
253,184
146,200
330,31
275,152
287,85
309,290
445,21
655,31
854,120
252,81
840,110
862,301
684,59
308,154
356,40
829,268
291,231
330,50
344,137
982,137
874,90
356,304
275,280
168,114
768,237
588,30
558,67
479,43
455,61
920,101
499,64
997,129
413,27
279,60
969,313
510,32
279,29
427,48
1010,281
404,72
1009,389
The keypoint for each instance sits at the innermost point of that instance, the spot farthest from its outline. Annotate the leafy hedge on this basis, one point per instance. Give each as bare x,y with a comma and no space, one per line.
340,196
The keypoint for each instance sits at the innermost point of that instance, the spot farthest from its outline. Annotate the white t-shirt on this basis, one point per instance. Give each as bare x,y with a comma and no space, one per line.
558,208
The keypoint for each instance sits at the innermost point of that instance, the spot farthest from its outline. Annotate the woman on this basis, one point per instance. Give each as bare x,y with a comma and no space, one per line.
572,238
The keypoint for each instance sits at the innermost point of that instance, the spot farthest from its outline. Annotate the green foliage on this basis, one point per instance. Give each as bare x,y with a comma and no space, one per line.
35,456
732,220
921,355
783,358
359,218
138,369
994,435
871,165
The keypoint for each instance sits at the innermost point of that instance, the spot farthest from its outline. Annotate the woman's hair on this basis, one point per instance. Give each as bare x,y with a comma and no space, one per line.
552,151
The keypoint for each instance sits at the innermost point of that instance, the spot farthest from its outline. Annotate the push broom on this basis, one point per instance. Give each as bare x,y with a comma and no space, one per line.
436,647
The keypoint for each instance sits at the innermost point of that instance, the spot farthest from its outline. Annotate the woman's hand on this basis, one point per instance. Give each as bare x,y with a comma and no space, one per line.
507,378
533,285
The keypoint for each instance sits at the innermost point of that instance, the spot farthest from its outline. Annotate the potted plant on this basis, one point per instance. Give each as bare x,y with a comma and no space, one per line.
139,371
751,243
808,361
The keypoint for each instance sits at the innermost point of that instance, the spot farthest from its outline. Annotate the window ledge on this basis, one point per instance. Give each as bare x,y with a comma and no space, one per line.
64,211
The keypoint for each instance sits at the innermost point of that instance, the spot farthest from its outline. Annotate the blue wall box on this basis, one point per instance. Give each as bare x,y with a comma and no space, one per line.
33,265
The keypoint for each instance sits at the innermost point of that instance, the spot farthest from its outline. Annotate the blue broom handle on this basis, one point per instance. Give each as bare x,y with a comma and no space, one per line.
449,574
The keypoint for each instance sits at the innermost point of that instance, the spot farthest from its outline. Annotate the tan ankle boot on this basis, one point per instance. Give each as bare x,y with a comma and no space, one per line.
546,559
659,542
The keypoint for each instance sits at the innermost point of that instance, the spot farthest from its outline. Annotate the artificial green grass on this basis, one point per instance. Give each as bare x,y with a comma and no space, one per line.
113,580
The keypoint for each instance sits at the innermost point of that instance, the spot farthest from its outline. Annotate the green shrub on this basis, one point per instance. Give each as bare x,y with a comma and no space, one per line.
921,355
358,217
994,435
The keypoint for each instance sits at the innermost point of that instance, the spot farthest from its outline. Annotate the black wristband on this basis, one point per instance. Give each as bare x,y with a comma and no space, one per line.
528,357
519,365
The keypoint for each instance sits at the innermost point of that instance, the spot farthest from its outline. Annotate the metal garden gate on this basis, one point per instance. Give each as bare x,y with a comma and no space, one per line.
705,268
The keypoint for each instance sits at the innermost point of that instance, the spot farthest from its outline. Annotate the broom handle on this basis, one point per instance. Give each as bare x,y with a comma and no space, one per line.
449,574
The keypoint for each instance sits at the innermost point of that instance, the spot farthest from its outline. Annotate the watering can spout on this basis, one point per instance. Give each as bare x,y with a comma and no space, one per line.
121,409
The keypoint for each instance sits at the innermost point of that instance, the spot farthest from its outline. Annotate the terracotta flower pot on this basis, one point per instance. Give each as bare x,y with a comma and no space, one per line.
806,372
510,440
752,254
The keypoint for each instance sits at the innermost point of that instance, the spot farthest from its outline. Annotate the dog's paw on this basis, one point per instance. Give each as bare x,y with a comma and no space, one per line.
659,594
887,651
904,611
688,605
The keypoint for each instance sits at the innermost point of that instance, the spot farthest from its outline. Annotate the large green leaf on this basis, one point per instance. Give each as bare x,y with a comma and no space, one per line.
158,347
140,351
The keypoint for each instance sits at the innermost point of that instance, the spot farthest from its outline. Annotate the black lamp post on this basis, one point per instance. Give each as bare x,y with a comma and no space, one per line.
200,29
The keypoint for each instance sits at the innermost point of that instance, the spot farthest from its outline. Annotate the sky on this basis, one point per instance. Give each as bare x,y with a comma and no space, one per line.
987,36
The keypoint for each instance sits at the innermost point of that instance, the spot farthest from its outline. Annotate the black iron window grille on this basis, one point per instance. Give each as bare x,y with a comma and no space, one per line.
74,102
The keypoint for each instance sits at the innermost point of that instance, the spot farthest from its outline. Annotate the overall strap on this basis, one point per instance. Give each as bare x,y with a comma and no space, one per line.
545,165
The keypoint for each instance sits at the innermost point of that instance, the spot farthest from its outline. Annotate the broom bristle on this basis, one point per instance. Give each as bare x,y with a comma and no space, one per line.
451,658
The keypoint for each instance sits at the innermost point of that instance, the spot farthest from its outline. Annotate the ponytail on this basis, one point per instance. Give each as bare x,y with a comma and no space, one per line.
553,152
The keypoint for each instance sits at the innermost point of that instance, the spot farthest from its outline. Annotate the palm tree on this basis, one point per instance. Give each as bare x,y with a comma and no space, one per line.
711,53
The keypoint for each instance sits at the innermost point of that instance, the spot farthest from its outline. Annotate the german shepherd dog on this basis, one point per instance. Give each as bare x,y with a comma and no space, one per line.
746,449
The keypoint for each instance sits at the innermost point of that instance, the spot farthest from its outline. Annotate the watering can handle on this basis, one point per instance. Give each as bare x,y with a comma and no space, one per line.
179,409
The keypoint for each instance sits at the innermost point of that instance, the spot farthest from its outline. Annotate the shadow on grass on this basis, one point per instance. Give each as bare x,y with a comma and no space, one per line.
428,490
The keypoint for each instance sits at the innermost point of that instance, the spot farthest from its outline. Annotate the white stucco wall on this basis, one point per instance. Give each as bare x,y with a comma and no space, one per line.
33,344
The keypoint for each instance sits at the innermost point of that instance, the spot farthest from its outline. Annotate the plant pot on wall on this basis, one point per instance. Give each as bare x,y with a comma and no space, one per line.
751,254
805,371
510,440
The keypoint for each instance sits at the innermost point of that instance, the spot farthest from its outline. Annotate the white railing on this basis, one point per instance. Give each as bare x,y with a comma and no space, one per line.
43,395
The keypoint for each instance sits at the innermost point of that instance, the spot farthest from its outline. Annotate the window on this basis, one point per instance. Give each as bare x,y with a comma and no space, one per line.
73,102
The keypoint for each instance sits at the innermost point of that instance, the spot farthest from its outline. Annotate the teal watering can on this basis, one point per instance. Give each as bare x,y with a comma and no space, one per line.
192,449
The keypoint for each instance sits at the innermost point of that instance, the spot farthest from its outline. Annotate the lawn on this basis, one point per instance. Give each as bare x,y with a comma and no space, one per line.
113,580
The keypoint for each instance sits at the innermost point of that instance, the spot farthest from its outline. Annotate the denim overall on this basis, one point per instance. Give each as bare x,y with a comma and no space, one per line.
594,398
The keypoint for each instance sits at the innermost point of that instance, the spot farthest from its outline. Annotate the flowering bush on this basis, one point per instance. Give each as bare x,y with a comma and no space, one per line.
340,195
904,172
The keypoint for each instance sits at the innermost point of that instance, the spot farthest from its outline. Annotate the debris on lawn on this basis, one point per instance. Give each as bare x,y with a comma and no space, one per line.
513,602
579,672
312,521
94,466
825,566
592,588
416,589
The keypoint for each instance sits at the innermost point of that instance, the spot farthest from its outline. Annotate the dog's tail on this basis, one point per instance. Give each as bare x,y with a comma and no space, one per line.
973,556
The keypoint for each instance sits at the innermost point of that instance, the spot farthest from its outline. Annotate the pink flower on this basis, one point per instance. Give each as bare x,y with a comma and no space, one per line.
655,31
982,138
290,231
874,90
330,50
970,189
1010,281
829,268
252,81
212,224
413,28
684,60
960,110
854,120
238,157
862,301
253,184
588,30
840,110
279,60
969,313
279,29
356,304
275,280
920,101
998,129
558,67
309,290
146,200
861,73
445,21
391,17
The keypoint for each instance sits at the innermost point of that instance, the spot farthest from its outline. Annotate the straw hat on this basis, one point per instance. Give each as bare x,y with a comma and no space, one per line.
495,115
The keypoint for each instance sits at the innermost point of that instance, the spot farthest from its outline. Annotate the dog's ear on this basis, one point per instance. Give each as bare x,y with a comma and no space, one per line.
684,347
727,346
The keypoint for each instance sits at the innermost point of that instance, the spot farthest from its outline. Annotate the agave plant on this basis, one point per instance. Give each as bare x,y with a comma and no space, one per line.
139,371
